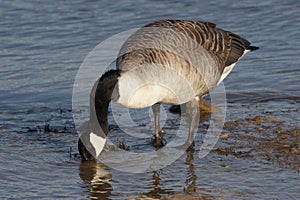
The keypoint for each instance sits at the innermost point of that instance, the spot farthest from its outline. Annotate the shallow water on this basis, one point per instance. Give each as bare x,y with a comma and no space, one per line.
42,46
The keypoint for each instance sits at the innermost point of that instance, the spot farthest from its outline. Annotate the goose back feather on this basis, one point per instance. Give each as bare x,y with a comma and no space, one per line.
170,55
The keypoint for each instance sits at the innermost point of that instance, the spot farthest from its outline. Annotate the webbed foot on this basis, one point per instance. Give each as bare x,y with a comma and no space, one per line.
158,140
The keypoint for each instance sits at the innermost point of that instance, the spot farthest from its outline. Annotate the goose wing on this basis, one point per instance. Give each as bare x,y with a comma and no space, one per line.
225,45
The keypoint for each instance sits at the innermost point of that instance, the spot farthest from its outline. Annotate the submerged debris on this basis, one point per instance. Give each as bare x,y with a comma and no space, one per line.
123,146
224,136
262,137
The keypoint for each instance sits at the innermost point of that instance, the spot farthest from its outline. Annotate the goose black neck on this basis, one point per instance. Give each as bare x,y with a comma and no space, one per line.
103,95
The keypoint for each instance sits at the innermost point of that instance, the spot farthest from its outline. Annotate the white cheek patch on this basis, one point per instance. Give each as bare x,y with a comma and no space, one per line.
97,142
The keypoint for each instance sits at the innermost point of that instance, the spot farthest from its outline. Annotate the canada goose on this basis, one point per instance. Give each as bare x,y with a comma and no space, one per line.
165,62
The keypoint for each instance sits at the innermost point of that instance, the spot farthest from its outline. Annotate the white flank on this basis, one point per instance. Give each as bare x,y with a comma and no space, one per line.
97,142
228,69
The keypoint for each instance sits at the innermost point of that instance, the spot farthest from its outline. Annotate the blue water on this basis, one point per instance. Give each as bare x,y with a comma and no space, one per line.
42,46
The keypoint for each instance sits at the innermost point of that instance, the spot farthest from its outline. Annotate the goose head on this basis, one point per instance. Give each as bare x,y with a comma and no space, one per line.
93,132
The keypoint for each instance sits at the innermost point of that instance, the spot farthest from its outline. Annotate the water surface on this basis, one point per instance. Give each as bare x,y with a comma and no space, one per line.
42,46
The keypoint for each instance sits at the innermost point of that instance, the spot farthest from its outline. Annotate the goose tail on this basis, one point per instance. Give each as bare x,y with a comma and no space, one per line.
248,46
252,48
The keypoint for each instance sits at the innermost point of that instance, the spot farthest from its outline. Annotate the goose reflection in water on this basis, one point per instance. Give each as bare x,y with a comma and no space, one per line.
98,181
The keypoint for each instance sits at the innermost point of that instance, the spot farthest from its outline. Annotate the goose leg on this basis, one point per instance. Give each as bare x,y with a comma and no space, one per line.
156,111
158,141
193,119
